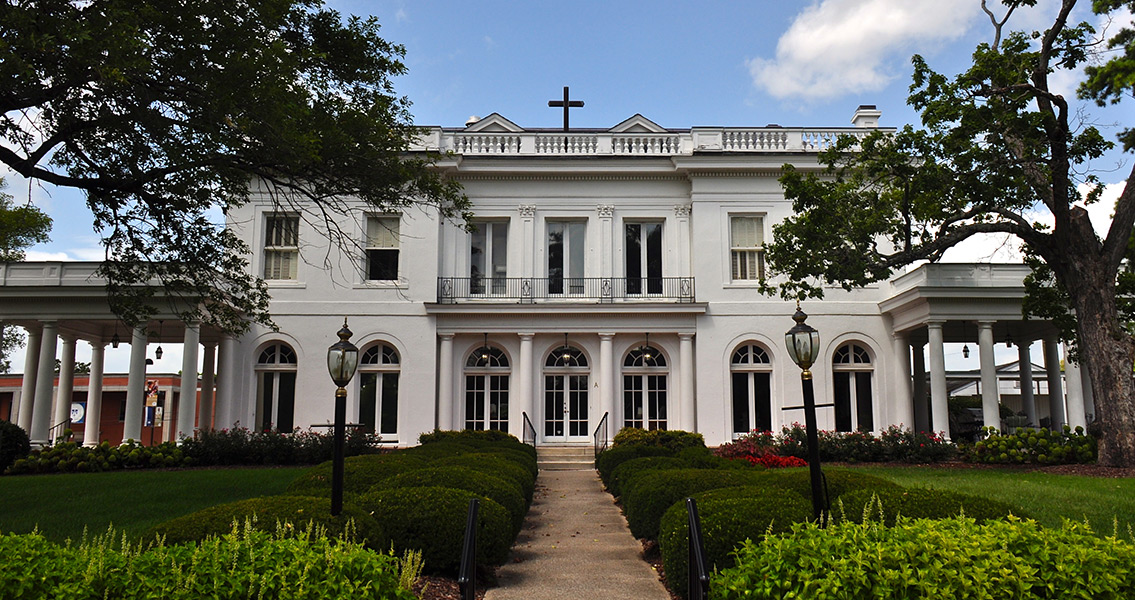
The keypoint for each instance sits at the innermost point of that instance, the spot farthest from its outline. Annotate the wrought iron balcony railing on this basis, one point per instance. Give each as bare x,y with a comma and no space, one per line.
533,290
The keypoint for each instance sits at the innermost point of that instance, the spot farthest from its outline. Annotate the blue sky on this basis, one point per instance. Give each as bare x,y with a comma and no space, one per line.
680,64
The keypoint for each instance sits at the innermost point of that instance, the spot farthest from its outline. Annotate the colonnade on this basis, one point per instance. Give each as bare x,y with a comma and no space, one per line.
44,409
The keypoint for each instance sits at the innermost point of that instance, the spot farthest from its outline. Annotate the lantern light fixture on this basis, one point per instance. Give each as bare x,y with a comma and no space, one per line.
158,352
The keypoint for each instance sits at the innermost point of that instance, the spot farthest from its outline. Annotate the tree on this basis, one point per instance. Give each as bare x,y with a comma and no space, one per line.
20,228
996,142
160,112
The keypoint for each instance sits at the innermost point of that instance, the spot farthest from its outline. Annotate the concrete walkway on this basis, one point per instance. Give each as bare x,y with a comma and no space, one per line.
575,544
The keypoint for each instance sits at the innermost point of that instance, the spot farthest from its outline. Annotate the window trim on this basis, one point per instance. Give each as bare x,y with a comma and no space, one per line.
735,249
368,247
268,249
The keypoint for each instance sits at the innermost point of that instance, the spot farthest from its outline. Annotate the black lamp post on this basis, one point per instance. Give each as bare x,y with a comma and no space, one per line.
342,360
803,343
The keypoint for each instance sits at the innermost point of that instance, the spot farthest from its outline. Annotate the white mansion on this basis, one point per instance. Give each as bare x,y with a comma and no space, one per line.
610,274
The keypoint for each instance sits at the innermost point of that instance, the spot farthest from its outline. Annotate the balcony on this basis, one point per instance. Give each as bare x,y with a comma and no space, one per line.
555,290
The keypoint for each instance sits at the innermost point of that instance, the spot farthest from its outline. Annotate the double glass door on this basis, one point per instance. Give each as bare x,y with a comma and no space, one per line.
565,408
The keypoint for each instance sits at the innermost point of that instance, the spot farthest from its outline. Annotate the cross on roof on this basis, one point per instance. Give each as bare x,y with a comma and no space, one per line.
566,104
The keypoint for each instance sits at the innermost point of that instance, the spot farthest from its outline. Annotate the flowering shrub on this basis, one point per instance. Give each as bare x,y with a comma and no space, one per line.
242,446
893,444
772,461
70,457
1032,446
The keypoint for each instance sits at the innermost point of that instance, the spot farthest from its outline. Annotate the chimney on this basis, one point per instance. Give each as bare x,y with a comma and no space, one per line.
866,116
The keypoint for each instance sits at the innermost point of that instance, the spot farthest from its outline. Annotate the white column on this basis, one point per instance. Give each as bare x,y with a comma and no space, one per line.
990,394
921,407
903,404
445,383
682,217
607,381
40,433
686,368
1055,385
187,391
527,240
939,410
227,411
94,396
208,371
606,241
525,375
1076,414
63,394
135,386
1025,372
27,389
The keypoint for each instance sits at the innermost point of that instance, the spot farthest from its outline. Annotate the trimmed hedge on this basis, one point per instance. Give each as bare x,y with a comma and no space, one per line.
839,482
925,558
494,465
728,516
653,492
14,444
631,469
432,520
360,473
609,459
674,440
265,513
917,503
505,492
487,438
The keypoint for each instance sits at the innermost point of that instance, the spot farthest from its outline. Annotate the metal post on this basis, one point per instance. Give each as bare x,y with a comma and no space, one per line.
337,462
813,445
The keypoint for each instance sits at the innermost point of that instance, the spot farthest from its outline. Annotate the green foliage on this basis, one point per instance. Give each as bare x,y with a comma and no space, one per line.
478,438
21,227
746,513
652,492
885,505
242,446
672,439
893,444
207,99
505,492
609,459
432,520
235,566
271,513
360,473
14,444
950,558
837,481
1032,446
631,469
491,464
69,457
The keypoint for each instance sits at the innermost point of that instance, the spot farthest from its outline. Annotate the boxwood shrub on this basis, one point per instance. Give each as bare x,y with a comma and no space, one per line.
728,517
505,492
672,439
839,481
646,500
265,513
14,444
609,459
521,458
918,503
480,439
432,520
631,469
494,465
925,558
360,473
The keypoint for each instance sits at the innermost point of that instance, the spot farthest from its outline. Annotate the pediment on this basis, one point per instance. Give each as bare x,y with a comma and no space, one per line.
494,123
638,124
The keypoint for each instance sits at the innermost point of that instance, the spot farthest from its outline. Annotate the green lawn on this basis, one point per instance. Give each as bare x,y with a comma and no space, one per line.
1046,497
133,501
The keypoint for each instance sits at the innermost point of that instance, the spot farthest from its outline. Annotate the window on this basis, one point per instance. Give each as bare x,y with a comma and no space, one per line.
644,388
276,388
382,248
644,258
565,257
281,247
751,373
746,248
488,254
852,369
378,390
565,394
486,389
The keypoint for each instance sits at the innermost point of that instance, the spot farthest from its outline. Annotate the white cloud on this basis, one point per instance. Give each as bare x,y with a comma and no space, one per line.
401,16
37,256
837,47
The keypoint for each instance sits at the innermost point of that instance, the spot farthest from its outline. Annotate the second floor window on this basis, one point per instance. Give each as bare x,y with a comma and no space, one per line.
281,247
488,257
565,257
747,248
382,248
644,258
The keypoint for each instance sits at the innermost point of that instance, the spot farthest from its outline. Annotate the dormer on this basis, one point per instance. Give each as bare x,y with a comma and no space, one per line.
638,124
493,123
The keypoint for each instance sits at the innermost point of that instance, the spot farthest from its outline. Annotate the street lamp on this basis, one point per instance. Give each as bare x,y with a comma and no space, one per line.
342,360
803,343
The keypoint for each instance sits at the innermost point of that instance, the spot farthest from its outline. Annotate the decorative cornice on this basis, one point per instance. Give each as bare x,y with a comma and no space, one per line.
527,210
605,210
683,210
466,176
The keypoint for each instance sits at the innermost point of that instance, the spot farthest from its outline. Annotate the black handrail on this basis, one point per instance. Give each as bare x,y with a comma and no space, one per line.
529,290
698,586
600,441
467,576
528,435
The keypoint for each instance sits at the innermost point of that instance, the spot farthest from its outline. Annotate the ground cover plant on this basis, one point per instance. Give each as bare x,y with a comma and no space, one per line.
1032,446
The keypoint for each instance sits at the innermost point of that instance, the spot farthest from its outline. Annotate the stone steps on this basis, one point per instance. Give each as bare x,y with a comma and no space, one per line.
565,458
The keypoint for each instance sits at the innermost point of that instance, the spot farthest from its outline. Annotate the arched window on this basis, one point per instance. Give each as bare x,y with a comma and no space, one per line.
276,388
851,375
378,390
751,374
644,388
486,389
565,395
